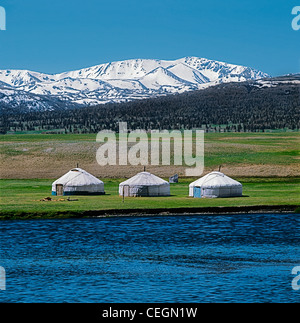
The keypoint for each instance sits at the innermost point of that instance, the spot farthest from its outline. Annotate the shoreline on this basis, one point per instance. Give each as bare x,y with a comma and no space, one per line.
257,209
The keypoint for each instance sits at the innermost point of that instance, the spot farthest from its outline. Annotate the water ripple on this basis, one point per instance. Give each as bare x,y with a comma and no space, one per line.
226,258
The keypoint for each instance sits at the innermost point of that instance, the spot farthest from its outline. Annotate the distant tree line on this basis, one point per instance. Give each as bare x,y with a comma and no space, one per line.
238,107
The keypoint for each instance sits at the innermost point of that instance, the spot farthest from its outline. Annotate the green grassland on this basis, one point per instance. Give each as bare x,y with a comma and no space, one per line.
267,164
21,198
269,154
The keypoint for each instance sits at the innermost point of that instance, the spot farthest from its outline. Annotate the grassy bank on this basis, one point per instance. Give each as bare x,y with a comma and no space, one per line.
267,164
24,198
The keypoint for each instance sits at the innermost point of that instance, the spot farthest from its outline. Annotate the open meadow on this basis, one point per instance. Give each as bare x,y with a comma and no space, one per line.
23,198
48,156
267,164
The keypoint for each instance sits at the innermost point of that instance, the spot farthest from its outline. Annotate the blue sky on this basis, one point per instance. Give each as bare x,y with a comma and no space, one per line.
61,35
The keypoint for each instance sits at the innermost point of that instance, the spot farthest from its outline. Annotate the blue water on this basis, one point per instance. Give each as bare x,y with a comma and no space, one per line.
224,258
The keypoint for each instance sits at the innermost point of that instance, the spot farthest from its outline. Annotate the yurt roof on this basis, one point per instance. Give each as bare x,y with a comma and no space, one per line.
78,177
199,181
215,179
144,179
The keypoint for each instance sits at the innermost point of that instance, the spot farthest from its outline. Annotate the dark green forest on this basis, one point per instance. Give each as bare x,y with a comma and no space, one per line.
237,107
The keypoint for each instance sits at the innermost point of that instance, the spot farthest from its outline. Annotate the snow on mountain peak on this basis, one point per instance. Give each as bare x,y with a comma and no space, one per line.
122,80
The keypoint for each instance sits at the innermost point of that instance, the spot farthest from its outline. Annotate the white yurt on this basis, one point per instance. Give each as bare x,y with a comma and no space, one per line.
215,184
144,184
77,181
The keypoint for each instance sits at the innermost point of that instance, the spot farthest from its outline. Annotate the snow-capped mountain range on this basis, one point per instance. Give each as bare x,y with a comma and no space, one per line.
115,82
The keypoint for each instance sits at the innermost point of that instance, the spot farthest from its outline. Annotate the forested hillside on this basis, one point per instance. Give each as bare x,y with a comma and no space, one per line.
247,106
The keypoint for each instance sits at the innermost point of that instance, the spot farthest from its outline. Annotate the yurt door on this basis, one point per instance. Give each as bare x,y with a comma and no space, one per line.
59,189
197,192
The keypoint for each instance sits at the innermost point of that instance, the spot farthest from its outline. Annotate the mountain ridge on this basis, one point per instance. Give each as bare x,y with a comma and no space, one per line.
116,82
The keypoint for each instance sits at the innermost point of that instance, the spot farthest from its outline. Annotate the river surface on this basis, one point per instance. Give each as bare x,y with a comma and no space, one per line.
222,258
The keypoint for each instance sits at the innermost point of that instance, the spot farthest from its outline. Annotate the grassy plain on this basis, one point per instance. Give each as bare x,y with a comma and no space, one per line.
269,154
24,196
267,164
